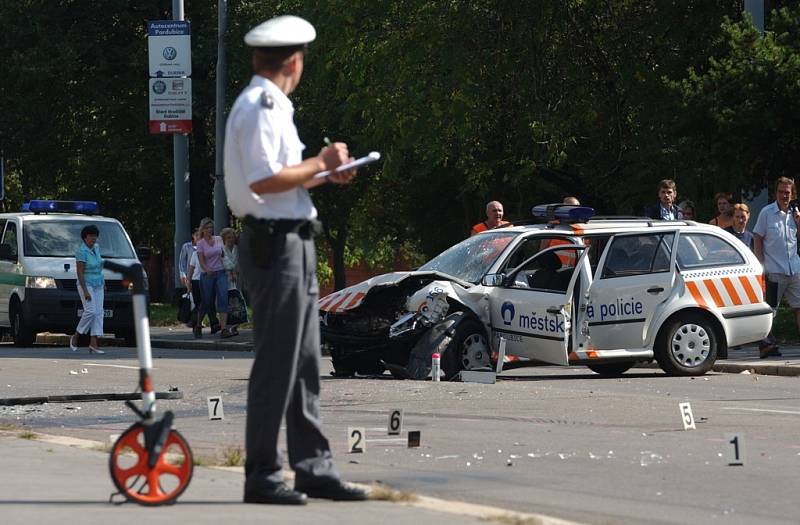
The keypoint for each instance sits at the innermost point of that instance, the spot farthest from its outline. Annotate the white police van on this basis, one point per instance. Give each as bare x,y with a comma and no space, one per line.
38,280
570,289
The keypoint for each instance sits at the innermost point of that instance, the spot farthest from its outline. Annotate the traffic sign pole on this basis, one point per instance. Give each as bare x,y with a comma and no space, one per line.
180,151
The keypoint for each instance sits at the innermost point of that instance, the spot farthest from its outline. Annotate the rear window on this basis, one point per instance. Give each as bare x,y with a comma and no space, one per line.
62,238
700,250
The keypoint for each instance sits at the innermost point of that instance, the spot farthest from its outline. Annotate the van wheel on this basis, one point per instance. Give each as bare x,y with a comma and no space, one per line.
687,346
20,333
610,369
468,350
128,338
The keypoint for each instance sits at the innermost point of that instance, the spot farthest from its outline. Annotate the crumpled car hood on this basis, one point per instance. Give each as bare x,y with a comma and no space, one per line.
352,296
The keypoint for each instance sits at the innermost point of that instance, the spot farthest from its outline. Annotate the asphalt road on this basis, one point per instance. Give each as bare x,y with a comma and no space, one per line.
562,442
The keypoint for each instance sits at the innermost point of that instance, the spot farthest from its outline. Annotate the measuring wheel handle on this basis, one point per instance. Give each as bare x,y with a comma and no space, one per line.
151,462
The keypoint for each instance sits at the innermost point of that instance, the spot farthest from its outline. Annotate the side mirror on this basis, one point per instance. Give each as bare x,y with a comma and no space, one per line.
493,279
7,252
143,253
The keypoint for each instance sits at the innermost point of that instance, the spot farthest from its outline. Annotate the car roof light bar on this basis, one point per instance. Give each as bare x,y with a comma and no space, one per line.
563,212
53,206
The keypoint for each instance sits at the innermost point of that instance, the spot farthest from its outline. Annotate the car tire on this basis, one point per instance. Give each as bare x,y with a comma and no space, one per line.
687,345
469,340
610,369
20,333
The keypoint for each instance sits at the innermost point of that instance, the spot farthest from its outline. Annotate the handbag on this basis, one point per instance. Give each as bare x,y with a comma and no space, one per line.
185,308
237,308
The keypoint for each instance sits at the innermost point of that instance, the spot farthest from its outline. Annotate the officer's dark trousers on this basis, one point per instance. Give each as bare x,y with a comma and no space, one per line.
284,379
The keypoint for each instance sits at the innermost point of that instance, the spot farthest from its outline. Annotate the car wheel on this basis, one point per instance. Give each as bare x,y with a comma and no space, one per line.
610,369
687,346
20,333
469,349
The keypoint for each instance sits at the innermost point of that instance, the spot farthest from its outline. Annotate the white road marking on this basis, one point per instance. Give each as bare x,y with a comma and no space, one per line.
794,412
128,367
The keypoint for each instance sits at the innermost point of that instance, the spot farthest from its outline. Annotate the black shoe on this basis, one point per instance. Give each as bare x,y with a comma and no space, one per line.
198,332
337,491
215,328
280,494
226,334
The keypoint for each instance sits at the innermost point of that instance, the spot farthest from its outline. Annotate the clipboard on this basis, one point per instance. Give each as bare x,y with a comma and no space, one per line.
363,161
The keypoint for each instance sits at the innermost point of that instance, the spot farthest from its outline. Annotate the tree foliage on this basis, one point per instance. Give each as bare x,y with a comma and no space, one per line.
520,101
741,112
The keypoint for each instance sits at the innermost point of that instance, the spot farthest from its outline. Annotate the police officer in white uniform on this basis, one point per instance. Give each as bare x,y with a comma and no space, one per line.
267,183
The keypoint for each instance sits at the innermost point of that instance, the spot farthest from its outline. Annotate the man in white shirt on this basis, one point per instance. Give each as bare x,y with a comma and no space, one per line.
775,235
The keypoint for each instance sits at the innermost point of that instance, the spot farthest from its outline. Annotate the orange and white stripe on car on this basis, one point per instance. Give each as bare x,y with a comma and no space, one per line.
583,355
725,291
344,300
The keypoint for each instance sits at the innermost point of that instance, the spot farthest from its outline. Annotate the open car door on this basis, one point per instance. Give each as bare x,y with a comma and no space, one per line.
533,308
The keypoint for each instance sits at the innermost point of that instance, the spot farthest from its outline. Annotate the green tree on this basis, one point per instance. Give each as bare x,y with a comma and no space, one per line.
741,112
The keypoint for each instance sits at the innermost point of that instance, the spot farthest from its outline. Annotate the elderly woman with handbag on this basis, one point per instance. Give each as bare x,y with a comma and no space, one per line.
237,310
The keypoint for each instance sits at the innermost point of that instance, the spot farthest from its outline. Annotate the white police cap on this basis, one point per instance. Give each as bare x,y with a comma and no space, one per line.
281,31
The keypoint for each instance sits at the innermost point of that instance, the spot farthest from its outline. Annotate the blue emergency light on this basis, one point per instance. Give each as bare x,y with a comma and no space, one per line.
50,206
563,212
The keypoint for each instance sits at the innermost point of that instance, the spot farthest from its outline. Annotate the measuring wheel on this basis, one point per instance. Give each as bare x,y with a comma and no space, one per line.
131,471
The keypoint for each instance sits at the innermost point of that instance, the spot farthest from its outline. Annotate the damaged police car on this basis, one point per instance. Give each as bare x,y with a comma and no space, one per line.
573,289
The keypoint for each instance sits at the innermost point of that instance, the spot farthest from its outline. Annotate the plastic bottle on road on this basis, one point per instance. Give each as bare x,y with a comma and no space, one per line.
435,367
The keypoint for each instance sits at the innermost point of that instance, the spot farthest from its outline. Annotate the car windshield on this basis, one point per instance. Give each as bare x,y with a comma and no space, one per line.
61,239
471,258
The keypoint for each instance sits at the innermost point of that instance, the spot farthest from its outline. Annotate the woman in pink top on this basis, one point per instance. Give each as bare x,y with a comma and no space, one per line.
214,280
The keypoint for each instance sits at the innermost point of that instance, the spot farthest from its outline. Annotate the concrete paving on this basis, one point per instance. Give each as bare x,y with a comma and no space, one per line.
58,480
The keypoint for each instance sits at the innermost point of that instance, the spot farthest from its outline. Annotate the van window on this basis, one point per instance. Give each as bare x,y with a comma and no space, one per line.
699,250
10,238
61,239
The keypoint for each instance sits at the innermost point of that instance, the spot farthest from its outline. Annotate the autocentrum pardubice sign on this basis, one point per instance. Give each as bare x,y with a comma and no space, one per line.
170,89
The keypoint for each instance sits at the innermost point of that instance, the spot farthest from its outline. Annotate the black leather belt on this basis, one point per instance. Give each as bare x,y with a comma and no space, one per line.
303,227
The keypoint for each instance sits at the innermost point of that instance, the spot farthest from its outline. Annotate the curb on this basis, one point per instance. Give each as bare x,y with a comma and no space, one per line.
766,369
199,344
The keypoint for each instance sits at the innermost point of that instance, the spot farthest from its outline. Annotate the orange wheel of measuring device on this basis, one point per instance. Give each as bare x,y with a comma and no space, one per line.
130,471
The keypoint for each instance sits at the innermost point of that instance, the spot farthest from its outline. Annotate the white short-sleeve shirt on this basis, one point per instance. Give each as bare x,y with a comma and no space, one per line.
779,234
260,140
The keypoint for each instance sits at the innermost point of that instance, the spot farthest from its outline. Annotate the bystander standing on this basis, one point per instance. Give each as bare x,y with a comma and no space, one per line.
724,215
494,219
741,215
776,247
665,209
688,210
